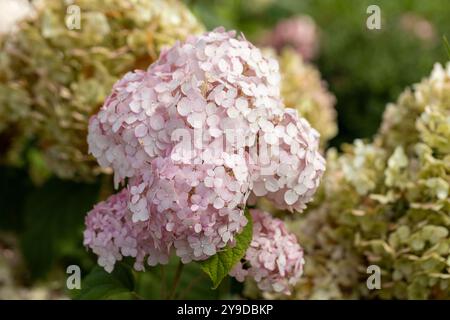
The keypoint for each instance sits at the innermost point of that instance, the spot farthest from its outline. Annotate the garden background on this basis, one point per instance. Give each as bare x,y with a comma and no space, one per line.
42,216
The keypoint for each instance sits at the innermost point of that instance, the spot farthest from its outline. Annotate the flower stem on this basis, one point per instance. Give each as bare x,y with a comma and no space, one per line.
163,281
176,280
187,290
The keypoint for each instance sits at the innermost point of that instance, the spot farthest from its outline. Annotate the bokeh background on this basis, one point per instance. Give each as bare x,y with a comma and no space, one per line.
42,216
364,68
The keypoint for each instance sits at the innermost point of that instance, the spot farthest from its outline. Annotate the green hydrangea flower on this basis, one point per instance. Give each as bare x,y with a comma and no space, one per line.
385,203
53,78
391,207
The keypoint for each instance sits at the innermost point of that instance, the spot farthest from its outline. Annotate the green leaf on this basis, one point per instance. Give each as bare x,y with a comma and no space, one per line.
219,265
53,224
100,284
447,46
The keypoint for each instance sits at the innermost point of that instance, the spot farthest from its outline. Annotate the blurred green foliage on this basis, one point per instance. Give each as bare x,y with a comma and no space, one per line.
155,283
48,220
53,224
14,183
364,68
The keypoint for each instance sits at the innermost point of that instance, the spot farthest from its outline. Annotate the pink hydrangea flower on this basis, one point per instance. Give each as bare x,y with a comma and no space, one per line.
274,259
300,33
111,234
187,137
199,206
290,173
213,83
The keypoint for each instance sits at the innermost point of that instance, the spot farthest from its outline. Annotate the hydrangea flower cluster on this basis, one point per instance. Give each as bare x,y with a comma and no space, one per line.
299,33
274,259
386,203
192,137
112,234
54,78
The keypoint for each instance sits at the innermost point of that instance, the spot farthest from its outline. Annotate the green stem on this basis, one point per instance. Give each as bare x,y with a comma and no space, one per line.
190,286
176,280
163,281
